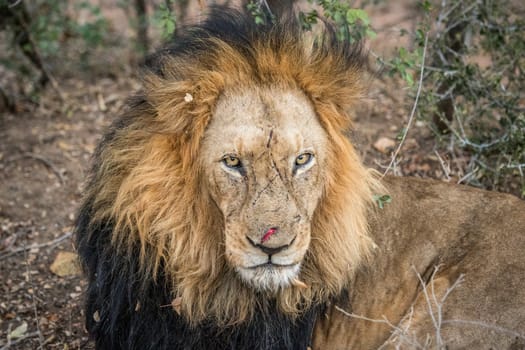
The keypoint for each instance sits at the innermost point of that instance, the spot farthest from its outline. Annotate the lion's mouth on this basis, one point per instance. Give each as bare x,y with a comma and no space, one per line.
270,265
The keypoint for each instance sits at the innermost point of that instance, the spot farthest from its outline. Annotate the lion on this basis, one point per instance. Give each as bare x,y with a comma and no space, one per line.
228,209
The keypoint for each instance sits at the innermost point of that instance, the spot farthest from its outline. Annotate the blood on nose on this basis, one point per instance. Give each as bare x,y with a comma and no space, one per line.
271,231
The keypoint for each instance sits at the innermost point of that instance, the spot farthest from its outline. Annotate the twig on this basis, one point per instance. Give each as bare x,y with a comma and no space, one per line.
445,167
46,162
471,165
458,281
439,322
37,246
397,170
384,320
413,113
35,311
520,167
261,3
467,176
41,65
14,4
19,340
436,323
488,326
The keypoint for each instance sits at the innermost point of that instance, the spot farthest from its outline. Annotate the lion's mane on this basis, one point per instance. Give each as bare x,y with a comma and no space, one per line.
148,232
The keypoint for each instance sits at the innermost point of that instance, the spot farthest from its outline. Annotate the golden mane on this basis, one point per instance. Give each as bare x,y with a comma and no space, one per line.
149,185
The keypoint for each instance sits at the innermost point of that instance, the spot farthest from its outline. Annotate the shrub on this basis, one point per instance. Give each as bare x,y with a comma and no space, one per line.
472,93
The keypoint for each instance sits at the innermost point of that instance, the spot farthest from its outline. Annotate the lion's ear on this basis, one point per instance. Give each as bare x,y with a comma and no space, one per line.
334,99
334,76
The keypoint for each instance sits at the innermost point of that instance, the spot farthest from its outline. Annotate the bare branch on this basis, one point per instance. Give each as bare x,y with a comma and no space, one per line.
37,246
46,162
413,113
401,332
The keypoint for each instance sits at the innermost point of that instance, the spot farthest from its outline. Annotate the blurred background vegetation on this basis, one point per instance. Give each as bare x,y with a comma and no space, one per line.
462,69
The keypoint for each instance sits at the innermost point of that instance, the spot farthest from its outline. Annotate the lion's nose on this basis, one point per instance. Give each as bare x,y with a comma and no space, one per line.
270,250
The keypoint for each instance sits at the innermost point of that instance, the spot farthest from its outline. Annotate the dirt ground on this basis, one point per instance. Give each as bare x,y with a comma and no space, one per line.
45,149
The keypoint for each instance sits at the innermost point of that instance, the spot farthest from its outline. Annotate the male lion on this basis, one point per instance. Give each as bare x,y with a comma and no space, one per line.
227,209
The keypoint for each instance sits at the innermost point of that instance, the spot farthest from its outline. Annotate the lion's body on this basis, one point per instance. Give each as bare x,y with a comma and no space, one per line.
471,236
227,209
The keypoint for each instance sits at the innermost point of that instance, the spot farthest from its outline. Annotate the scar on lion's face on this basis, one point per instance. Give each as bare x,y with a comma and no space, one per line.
264,157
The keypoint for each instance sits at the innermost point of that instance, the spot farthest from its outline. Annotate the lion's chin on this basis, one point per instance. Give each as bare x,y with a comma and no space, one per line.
269,277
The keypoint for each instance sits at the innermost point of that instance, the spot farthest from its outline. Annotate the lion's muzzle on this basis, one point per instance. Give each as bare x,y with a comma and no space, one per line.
268,249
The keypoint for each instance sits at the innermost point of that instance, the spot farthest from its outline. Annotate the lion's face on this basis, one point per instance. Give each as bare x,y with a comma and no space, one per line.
263,155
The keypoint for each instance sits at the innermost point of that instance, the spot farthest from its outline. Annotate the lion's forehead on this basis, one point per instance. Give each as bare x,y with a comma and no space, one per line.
249,121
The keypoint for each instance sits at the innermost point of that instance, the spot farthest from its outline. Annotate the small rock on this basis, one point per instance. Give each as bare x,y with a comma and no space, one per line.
65,264
384,145
18,332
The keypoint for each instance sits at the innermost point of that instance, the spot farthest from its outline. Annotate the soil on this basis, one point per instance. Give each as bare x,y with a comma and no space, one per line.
45,150
44,155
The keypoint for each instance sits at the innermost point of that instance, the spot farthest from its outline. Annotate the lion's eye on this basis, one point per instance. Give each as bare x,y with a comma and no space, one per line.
303,159
232,162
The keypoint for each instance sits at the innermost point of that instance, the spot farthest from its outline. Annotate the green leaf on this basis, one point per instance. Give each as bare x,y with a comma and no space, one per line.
338,17
403,53
401,134
426,6
381,200
371,34
352,15
169,27
408,78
